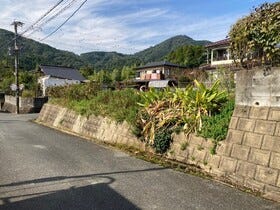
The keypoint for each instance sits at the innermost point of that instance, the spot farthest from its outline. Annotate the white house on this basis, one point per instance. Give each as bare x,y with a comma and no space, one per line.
58,76
219,57
218,53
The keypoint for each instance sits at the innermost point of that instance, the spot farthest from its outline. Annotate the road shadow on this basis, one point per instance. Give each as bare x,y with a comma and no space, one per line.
93,196
97,196
60,178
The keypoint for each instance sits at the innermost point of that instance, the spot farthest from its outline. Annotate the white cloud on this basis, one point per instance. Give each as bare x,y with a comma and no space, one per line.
107,25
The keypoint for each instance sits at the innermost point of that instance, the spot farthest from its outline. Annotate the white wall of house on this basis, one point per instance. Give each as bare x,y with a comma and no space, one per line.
48,81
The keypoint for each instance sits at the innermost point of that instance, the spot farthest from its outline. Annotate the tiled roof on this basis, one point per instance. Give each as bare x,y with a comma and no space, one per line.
160,63
62,72
224,42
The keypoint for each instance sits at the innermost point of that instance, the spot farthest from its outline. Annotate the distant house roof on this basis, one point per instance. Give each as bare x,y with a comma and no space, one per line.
160,63
62,72
220,43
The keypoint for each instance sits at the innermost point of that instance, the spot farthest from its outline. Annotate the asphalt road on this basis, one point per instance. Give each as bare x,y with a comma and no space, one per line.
41,168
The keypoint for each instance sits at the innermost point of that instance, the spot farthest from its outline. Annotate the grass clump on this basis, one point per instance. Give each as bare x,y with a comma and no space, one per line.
184,146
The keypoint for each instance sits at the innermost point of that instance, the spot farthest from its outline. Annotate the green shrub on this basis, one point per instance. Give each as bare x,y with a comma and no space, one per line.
254,37
216,126
74,92
162,140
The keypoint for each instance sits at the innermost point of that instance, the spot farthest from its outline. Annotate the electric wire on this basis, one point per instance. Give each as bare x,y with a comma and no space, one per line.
41,18
32,26
70,4
64,21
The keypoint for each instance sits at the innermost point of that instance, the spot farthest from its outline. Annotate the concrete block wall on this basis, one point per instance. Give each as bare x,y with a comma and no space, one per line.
26,105
250,155
258,87
99,128
255,137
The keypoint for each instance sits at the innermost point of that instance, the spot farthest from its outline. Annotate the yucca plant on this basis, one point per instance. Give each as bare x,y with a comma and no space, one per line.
166,110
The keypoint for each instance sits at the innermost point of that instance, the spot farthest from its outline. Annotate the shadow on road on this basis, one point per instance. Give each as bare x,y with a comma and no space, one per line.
91,196
98,196
60,178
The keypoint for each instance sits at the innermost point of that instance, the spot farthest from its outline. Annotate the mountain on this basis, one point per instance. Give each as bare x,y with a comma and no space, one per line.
33,53
159,51
108,60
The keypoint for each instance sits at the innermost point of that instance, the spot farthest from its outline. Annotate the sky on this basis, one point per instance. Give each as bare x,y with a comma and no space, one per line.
125,26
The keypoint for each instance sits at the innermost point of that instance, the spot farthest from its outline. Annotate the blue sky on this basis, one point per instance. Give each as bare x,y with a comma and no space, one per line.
127,26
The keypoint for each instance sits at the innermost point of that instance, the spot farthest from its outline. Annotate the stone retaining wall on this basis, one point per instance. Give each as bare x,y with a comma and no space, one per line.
250,156
99,128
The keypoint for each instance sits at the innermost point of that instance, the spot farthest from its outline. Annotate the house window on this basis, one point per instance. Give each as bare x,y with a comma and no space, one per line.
220,54
167,72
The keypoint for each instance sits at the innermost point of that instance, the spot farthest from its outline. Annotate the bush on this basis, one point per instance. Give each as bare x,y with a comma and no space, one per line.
216,126
254,37
74,92
162,140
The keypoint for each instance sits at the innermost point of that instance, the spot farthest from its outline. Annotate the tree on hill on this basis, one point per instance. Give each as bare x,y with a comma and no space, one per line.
254,37
190,56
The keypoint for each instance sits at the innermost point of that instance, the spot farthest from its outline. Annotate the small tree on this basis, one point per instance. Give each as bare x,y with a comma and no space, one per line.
116,75
102,77
254,37
127,73
87,71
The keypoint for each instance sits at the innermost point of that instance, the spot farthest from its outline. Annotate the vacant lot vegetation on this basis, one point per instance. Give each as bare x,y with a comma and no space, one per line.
89,99
154,115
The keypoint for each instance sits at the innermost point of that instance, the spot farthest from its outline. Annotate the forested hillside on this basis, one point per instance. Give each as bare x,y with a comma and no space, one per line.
34,53
111,60
158,52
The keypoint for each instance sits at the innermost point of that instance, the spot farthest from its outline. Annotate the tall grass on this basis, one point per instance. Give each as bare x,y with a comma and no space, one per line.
117,105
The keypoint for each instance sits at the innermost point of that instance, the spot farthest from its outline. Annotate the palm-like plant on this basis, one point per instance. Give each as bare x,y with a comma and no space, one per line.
182,107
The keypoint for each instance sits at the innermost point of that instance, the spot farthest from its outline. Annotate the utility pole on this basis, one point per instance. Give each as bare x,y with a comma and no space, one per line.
16,51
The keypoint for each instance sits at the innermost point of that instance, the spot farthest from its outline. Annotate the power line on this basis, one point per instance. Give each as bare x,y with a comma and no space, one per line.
64,21
32,26
42,17
52,17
